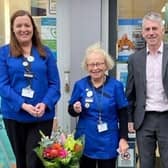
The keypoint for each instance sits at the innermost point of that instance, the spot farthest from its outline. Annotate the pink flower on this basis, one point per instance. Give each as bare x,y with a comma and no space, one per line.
63,153
60,150
62,138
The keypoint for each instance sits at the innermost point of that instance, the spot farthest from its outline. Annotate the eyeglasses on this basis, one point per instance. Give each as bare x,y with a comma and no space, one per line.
97,64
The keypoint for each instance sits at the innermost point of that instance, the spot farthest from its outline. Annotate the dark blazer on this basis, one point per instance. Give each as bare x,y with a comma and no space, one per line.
136,84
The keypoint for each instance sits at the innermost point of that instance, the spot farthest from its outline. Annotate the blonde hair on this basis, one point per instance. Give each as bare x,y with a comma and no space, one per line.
96,48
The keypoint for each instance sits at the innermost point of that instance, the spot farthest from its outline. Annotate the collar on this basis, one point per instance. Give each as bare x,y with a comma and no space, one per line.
159,51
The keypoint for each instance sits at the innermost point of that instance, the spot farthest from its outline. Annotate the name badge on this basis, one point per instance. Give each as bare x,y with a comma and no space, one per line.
27,92
102,127
89,100
28,75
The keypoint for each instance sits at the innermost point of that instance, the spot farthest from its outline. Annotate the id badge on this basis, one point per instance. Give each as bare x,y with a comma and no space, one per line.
27,92
102,127
28,75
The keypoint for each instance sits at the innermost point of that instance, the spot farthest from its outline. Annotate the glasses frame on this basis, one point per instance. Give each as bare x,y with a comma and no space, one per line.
97,64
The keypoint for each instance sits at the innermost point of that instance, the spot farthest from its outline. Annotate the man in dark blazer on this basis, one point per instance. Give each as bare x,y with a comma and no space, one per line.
147,93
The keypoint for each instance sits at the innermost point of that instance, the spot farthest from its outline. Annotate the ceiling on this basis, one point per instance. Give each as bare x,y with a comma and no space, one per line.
138,8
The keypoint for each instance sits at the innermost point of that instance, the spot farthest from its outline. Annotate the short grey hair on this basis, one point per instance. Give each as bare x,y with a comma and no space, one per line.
153,16
96,48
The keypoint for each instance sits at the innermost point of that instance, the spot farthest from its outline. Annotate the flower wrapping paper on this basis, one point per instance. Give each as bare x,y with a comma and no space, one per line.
61,150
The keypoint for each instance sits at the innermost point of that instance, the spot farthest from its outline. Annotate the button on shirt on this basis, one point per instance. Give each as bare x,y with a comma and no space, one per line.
156,99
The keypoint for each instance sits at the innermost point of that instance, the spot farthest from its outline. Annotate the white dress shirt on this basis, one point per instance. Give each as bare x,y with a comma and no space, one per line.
156,99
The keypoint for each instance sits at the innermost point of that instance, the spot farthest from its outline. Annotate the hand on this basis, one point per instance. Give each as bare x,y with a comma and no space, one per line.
131,127
29,108
77,107
40,109
123,146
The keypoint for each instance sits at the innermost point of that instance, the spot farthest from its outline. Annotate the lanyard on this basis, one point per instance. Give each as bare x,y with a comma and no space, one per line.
28,74
99,102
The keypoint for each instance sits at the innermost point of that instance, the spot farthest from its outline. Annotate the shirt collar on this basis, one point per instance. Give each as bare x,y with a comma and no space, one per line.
160,49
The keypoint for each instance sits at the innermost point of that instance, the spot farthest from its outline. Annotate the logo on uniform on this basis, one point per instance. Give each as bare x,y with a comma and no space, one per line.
89,98
89,93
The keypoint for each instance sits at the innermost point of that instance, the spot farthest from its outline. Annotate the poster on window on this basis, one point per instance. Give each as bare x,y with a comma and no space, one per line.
52,7
39,8
122,73
43,7
48,33
129,38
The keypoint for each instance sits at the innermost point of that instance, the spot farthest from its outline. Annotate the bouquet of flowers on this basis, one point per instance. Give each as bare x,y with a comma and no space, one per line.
60,150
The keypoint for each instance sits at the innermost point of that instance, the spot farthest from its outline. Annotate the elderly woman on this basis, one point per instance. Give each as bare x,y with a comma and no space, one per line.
100,103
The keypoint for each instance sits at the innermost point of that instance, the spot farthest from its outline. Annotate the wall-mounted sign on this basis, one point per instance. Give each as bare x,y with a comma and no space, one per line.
129,38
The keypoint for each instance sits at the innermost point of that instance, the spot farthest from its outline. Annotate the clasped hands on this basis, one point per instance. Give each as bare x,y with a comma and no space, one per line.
36,111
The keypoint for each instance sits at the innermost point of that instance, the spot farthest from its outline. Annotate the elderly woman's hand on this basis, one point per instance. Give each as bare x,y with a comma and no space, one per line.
77,107
123,146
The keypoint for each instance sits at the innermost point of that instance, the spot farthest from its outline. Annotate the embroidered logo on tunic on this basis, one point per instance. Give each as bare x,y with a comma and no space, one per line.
89,93
89,98
87,105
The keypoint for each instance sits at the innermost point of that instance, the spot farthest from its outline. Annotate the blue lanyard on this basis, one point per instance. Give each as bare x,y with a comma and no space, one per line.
99,102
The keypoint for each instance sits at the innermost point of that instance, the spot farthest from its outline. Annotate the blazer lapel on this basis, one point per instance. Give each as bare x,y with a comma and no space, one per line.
143,66
164,60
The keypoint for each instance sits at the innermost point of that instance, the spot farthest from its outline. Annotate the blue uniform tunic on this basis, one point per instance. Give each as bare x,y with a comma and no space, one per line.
105,100
45,84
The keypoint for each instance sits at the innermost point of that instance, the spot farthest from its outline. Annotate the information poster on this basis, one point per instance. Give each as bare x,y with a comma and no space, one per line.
48,33
122,73
44,15
52,7
129,38
39,8
43,7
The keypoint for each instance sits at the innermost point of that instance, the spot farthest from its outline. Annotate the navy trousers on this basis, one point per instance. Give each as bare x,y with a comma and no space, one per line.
24,137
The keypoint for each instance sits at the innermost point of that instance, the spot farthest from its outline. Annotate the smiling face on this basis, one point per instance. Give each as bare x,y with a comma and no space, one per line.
153,33
96,66
23,29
